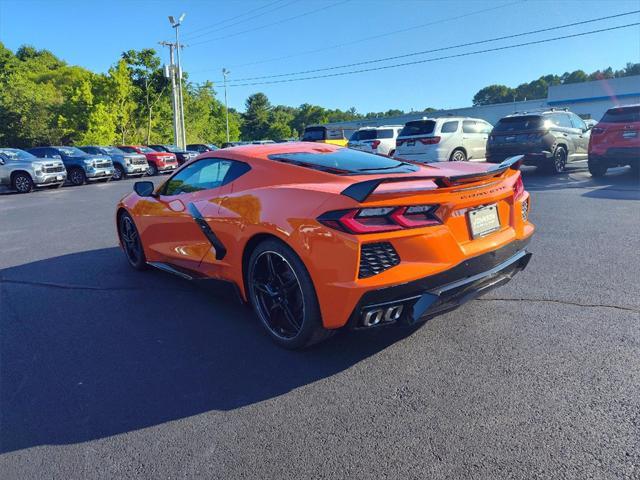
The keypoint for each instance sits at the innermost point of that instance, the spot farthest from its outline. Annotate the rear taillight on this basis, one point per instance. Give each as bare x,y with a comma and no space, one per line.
597,131
399,142
375,144
518,188
381,219
429,140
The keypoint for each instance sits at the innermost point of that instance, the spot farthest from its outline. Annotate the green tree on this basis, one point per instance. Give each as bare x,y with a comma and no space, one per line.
101,127
577,76
280,120
121,98
255,124
494,94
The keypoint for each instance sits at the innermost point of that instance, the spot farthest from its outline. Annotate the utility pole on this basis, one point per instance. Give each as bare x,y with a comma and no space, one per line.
169,72
176,85
226,72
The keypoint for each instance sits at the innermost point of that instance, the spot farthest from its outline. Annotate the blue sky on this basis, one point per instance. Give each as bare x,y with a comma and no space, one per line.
93,33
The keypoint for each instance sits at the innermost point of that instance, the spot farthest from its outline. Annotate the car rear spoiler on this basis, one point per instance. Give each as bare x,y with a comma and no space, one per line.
360,191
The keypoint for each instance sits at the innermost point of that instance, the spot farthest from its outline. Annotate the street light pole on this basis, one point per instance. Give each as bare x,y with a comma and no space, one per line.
226,72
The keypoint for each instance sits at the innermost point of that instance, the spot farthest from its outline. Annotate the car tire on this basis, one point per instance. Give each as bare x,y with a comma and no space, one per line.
130,242
77,177
596,169
458,155
392,153
282,295
152,170
558,162
118,173
22,182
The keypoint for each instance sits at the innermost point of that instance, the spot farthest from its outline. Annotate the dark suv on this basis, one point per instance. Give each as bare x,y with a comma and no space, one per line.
548,139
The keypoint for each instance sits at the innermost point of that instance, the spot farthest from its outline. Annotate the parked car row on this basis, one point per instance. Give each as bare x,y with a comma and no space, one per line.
548,139
52,166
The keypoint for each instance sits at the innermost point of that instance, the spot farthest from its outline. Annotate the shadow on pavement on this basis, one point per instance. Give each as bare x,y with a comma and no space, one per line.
93,349
618,184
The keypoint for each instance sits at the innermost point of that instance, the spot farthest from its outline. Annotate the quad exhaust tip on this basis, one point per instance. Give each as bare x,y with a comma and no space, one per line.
378,316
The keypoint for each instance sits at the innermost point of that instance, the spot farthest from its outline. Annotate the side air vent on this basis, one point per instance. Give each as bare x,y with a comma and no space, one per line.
375,258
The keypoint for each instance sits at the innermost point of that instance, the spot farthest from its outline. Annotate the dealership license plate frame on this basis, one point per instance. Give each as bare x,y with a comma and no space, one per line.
483,220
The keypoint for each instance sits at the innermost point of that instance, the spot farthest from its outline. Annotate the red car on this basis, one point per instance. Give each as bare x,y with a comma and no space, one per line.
615,140
158,161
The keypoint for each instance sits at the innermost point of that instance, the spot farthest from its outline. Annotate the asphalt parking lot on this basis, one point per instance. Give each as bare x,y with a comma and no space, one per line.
110,373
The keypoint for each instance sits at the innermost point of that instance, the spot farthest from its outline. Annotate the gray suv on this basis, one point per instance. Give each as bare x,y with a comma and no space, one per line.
23,172
81,167
125,164
548,139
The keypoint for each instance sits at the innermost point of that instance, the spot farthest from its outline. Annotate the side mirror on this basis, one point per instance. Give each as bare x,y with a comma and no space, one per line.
1,161
57,157
144,189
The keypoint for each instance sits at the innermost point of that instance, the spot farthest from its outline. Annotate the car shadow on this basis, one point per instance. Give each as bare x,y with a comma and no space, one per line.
90,348
618,184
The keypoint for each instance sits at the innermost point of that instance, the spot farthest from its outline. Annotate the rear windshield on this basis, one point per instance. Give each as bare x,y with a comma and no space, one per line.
367,135
420,127
512,124
622,115
345,161
313,134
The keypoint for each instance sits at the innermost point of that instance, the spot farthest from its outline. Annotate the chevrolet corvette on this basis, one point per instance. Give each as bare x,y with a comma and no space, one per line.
317,237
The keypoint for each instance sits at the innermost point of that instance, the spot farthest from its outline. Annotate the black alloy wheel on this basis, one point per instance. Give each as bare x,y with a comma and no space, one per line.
559,160
118,172
22,182
77,176
280,301
282,295
130,240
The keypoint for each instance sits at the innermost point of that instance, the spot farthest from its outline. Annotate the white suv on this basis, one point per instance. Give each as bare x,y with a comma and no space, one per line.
443,139
380,140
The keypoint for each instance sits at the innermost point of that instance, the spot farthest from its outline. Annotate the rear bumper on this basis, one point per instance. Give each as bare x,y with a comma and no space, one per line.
167,168
430,296
530,158
617,156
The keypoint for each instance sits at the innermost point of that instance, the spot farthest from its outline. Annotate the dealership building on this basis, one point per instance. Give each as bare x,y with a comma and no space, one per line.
587,99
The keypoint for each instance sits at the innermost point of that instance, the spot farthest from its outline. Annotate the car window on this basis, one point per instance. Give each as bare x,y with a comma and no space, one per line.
355,137
514,124
313,134
470,126
335,133
16,154
560,120
449,127
622,115
202,175
370,134
385,133
419,127
485,127
577,122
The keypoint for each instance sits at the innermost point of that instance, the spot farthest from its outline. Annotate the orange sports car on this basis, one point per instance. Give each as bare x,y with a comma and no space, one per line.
318,237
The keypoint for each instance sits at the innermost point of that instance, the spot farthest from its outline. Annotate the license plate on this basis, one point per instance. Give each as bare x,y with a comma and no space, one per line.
630,134
58,177
484,220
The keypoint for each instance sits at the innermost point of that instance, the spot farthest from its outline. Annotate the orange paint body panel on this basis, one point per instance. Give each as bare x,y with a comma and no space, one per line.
284,200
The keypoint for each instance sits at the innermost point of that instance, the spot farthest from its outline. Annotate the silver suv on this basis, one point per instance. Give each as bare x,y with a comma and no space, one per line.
23,171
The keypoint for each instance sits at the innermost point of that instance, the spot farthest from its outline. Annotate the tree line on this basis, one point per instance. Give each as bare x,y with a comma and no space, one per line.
538,89
45,101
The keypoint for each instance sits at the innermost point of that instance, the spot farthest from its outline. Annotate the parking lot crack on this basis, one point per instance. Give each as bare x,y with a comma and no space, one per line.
563,302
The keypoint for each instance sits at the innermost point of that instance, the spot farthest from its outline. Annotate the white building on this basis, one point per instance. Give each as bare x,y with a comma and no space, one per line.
587,99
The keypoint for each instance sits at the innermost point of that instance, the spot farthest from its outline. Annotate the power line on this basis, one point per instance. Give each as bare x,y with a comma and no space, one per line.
224,37
374,37
217,26
450,47
416,62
